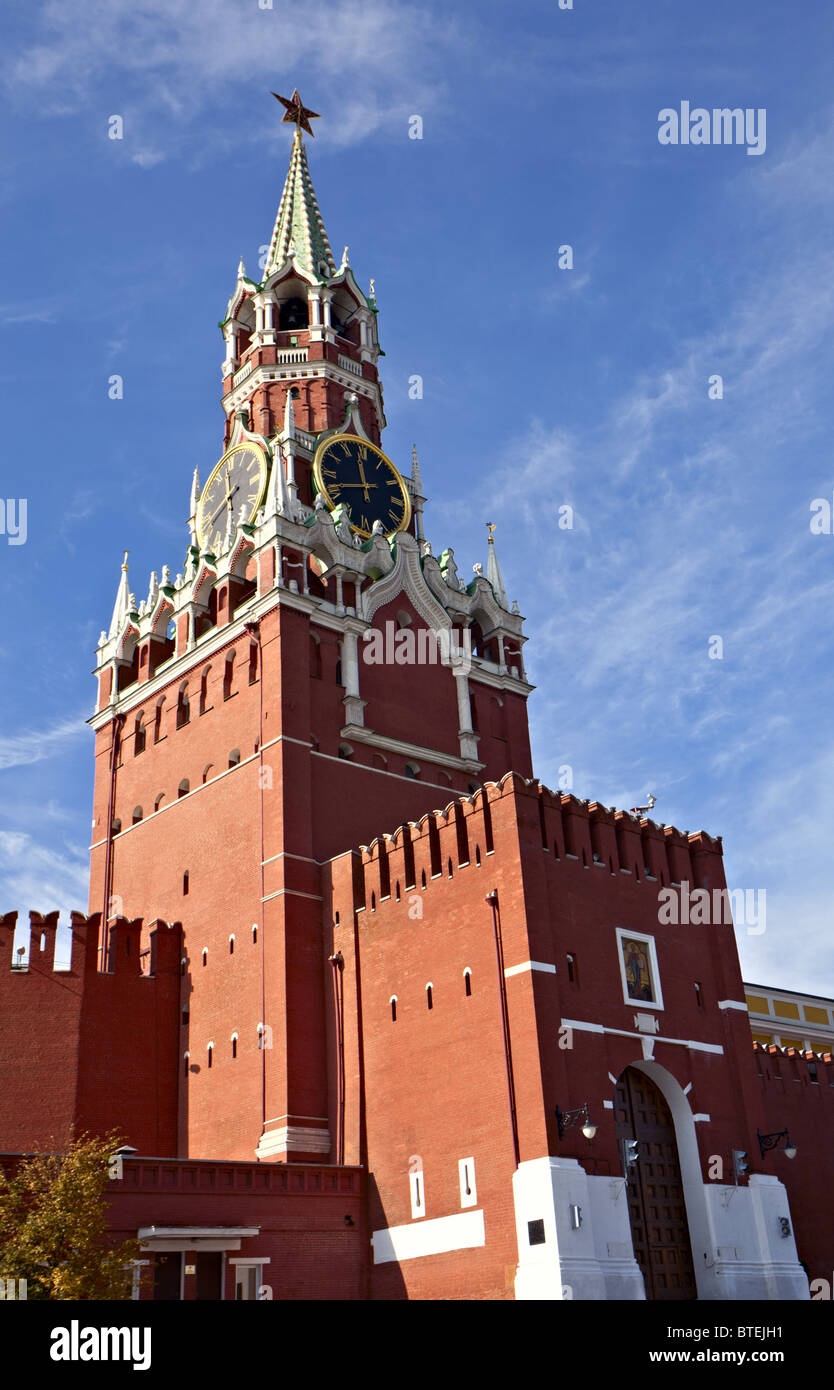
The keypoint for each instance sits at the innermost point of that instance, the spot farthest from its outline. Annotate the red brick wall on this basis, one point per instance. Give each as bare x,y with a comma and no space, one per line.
792,1100
313,1252
82,1051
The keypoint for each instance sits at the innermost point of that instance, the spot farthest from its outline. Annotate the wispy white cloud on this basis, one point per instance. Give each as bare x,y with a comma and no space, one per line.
18,750
30,313
42,877
175,58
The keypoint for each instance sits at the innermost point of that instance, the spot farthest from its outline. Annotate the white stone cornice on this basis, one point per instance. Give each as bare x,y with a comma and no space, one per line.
498,682
359,734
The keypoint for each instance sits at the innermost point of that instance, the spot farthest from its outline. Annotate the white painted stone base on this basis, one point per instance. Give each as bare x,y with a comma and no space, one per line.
750,1258
739,1250
592,1261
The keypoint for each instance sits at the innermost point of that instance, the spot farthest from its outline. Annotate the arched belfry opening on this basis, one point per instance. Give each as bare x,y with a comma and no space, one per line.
293,313
655,1187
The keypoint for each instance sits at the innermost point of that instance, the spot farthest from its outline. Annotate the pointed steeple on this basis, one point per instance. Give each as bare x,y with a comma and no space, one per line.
493,573
121,607
195,498
299,223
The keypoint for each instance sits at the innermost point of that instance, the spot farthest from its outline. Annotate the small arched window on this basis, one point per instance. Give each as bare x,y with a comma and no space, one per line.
157,719
137,814
185,884
205,955
412,770
467,981
158,800
206,771
184,787
185,1058
232,944
116,827
423,879
254,932
450,870
183,707
234,757
429,997
373,902
210,1054
234,1045
204,690
139,735
478,856
346,751
393,1002
228,676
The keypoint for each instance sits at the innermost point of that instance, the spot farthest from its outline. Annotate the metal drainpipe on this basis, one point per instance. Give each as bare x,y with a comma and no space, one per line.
492,899
338,964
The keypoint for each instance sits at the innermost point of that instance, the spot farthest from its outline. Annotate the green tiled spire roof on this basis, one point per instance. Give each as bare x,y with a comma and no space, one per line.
299,222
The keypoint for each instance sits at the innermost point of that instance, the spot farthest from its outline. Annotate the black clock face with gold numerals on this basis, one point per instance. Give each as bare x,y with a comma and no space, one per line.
354,473
236,486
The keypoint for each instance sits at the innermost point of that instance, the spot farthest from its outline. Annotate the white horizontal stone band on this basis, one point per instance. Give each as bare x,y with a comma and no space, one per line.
460,1232
530,965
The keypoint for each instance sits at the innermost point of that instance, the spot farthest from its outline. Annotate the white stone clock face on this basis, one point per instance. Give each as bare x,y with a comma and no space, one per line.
236,486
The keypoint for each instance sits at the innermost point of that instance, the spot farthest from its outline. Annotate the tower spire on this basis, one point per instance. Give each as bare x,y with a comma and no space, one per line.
493,573
299,227
121,607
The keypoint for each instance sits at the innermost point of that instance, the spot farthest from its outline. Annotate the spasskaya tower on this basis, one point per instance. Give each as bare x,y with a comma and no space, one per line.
313,676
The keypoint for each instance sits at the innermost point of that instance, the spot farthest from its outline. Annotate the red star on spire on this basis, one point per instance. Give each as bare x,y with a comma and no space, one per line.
296,112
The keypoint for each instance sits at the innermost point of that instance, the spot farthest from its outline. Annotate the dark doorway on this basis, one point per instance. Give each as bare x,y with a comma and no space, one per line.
656,1208
209,1274
166,1276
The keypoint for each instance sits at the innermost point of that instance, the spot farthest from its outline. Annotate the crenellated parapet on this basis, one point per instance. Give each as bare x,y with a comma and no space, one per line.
125,956
576,834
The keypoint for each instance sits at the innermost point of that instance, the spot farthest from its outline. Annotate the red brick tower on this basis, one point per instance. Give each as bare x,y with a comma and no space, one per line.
311,678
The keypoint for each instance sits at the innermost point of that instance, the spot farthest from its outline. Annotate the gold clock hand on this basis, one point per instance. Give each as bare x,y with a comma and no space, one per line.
364,482
226,500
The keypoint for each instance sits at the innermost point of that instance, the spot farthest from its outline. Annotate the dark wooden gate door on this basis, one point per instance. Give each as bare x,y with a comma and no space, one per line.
656,1208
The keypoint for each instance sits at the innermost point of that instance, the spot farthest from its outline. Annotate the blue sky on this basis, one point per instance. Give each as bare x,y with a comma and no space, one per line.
542,387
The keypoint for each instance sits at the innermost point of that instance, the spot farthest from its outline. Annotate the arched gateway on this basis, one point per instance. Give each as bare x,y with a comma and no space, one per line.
656,1206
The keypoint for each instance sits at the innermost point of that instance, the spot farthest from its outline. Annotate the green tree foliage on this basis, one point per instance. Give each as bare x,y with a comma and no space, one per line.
53,1225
